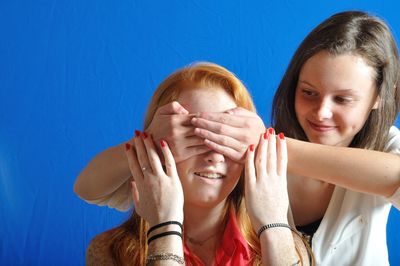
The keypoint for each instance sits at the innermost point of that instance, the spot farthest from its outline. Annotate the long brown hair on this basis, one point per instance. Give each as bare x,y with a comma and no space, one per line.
128,241
356,33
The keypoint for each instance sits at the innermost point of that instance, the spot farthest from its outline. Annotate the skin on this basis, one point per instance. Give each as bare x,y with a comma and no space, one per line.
199,201
109,170
202,189
334,97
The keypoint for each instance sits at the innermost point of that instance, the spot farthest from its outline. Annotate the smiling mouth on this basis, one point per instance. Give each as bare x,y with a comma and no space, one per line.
321,128
209,175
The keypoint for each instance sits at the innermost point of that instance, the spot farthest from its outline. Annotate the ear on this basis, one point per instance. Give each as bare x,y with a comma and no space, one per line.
377,102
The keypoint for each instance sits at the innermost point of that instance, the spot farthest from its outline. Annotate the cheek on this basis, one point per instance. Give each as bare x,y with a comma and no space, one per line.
183,168
235,170
353,120
300,108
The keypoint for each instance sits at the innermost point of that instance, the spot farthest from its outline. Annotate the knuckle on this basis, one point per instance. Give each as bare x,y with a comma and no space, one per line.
248,123
169,164
223,141
175,105
219,129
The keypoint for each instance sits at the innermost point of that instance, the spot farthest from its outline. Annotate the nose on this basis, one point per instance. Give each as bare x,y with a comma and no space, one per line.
213,157
324,110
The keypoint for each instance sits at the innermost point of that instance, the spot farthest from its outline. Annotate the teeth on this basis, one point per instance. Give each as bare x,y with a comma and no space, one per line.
209,175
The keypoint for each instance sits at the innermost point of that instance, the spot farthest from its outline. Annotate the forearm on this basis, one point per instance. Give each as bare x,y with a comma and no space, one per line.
357,169
104,174
169,246
277,247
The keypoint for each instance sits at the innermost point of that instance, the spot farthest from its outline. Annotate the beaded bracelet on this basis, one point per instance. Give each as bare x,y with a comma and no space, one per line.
164,224
168,233
164,256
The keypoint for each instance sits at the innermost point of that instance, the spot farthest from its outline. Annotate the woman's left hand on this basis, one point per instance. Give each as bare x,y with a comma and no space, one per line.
266,193
229,133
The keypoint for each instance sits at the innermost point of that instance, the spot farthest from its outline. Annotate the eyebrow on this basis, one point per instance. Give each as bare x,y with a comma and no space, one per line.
338,90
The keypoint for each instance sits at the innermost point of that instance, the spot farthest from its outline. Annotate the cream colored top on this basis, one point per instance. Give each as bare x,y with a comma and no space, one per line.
353,229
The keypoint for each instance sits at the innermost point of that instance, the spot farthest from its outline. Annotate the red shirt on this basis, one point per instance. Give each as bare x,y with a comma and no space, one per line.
233,249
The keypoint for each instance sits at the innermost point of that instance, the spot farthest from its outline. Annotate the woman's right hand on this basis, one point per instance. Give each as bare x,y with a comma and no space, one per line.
171,122
157,193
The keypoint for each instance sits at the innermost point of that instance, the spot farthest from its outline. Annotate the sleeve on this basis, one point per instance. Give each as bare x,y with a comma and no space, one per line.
121,199
393,146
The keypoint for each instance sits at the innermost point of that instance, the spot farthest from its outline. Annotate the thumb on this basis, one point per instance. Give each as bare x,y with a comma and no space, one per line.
240,111
172,108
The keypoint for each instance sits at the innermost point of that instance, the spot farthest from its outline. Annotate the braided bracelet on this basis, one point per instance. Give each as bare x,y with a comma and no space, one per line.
168,233
164,224
268,226
164,256
273,225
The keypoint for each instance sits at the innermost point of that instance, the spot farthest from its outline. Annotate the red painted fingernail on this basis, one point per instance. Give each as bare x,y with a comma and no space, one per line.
162,143
265,136
251,147
281,136
144,134
137,133
127,146
271,130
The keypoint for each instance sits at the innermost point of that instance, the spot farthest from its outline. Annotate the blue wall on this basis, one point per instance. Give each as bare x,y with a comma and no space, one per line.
76,77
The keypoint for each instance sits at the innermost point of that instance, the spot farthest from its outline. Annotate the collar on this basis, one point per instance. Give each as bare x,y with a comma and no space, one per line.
233,249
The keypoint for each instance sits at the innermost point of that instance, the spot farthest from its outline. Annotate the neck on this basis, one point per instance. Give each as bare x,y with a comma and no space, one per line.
202,222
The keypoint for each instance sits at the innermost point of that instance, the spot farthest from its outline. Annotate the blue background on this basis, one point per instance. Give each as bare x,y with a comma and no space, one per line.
76,77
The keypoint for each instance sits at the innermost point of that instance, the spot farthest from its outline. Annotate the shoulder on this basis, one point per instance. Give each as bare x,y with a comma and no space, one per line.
98,250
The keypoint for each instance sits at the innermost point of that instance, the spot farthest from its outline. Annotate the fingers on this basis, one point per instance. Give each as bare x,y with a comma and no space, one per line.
222,140
261,157
133,163
154,159
241,111
192,141
249,169
170,165
141,154
282,155
218,118
172,108
271,152
196,150
225,150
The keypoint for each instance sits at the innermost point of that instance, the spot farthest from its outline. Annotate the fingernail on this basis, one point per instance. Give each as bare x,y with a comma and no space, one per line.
162,143
265,136
137,133
271,131
127,146
144,134
281,136
251,147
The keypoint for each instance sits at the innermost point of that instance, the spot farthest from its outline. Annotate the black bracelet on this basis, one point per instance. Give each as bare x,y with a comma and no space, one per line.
168,233
164,224
267,226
